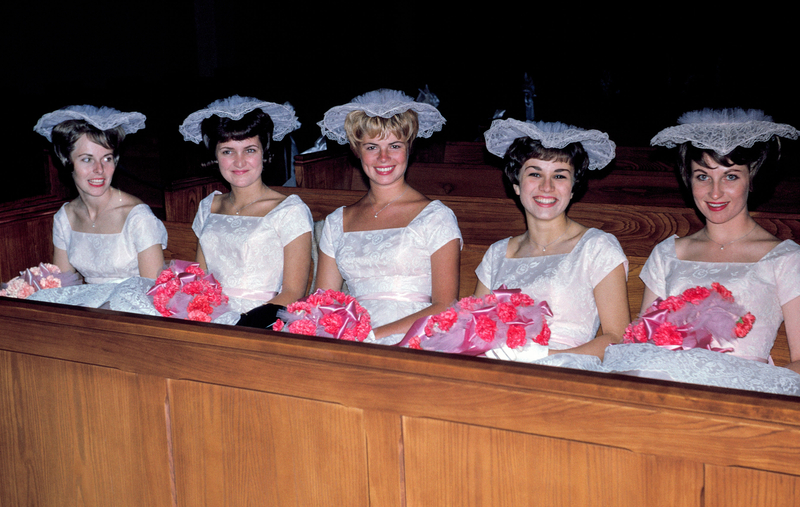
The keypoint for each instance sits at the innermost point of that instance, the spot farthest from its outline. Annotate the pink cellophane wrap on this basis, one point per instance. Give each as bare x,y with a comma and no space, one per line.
177,306
458,329
43,276
698,318
327,314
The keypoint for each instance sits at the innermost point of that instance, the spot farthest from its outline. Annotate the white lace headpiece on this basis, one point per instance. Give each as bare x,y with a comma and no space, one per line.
598,146
102,118
384,103
722,130
235,107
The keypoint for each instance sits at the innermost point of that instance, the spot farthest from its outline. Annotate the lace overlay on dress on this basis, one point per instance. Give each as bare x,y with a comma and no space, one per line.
378,263
102,258
245,254
565,281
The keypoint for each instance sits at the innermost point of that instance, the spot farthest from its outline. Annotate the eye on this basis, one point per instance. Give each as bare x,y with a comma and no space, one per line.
701,177
732,177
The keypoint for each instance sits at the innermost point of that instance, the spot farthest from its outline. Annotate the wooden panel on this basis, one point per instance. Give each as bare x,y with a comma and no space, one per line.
26,234
456,464
240,447
741,487
66,428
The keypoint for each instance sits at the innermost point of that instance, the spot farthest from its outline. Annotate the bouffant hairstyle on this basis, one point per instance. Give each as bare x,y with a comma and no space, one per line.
754,158
256,123
525,148
66,134
360,126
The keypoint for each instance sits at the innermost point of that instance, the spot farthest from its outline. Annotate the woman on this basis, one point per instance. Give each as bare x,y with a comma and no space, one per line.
104,234
255,240
397,250
720,153
580,272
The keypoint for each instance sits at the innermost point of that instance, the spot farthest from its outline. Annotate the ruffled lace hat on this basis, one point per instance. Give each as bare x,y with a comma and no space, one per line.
723,130
600,149
384,103
102,118
235,107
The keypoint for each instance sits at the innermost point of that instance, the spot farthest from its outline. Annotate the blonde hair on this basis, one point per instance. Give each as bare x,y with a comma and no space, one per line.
360,126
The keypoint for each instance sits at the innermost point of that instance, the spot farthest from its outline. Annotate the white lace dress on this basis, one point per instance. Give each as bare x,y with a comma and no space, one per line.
389,270
760,287
245,254
108,262
565,281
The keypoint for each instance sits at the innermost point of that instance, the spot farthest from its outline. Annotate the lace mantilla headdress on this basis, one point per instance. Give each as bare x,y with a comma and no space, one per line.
384,103
102,118
235,107
722,130
598,146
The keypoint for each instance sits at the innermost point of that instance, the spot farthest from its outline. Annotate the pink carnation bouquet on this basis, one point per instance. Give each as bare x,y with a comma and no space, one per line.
474,325
328,314
43,276
697,318
185,291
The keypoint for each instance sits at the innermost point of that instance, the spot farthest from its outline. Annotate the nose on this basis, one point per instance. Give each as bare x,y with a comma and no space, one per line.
716,189
239,160
100,166
384,154
547,184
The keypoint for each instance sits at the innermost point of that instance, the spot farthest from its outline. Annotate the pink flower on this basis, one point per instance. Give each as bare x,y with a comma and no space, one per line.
302,326
521,299
278,325
722,291
515,337
485,328
543,338
446,319
332,322
672,303
414,343
667,334
635,333
470,303
506,312
695,295
744,325
199,315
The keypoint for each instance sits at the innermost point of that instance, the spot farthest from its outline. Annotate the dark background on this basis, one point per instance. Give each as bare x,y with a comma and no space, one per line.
628,73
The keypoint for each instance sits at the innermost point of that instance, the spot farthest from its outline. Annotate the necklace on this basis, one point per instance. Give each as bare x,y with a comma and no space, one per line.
544,247
387,204
119,194
723,245
246,205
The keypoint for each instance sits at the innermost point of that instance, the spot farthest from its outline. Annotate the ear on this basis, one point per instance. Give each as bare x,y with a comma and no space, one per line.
516,189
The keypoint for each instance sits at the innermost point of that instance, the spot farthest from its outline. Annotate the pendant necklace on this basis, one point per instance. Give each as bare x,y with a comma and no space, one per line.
246,205
544,247
387,204
723,245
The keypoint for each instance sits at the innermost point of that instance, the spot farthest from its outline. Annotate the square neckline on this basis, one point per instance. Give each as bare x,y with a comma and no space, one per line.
765,256
390,228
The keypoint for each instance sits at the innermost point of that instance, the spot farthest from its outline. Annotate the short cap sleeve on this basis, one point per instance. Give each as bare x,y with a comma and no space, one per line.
145,229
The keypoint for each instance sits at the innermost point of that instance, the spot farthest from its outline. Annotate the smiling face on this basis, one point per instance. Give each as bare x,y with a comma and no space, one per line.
241,162
545,187
720,192
92,166
384,160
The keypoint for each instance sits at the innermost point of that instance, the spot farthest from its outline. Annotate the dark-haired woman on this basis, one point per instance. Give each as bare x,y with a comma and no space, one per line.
255,240
105,234
720,153
580,272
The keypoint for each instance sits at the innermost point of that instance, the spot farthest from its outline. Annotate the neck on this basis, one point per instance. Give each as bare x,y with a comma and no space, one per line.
381,195
241,196
731,230
543,232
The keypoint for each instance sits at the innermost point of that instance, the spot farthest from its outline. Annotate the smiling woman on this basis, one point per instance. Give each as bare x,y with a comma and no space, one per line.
720,154
253,239
397,250
579,272
104,234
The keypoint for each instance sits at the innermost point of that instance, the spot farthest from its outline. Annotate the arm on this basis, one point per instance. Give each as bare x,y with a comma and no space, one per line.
791,317
61,259
296,266
481,290
445,266
200,258
647,299
151,261
611,297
